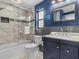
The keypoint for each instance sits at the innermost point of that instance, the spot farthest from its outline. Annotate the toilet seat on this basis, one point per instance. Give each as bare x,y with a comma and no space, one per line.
31,45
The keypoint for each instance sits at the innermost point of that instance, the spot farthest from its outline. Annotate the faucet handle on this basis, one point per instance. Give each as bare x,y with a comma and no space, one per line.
61,29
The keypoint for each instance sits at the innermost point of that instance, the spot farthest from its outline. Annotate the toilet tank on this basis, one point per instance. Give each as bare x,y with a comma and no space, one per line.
38,39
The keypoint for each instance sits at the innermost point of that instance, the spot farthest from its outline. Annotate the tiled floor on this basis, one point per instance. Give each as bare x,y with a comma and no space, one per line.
19,51
40,55
34,54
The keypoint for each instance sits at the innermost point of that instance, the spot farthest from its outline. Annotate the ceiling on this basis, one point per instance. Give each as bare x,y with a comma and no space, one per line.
24,4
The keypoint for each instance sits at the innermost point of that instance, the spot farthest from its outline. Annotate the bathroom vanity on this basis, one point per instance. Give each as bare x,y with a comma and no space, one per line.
65,18
60,47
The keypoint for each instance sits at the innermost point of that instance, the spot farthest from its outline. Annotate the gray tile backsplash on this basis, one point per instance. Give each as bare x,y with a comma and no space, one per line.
74,29
67,29
71,29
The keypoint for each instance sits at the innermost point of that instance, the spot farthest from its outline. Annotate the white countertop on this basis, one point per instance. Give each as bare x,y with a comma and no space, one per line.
68,37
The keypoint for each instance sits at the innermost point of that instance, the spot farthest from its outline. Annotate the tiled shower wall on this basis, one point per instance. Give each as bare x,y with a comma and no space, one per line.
11,32
15,30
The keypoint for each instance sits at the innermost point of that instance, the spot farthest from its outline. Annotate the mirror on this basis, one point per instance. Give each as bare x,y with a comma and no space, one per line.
64,11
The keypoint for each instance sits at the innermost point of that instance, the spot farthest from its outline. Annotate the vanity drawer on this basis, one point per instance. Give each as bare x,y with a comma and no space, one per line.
68,52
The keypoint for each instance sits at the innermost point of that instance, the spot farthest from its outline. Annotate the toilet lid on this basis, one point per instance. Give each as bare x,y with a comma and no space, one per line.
31,45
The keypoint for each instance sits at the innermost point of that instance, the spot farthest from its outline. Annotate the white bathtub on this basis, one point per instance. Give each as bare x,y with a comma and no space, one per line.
14,50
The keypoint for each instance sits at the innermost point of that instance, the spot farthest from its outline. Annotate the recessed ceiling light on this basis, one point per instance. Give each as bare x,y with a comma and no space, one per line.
68,0
16,1
60,0
53,2
57,1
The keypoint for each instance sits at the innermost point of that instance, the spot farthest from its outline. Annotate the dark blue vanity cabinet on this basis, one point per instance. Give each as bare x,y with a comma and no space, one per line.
60,49
51,50
68,52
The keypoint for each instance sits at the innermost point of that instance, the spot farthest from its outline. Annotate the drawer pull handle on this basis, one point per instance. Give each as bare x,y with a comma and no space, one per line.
57,47
67,51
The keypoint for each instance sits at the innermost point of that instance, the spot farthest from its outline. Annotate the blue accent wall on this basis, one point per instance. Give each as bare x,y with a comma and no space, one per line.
48,18
47,8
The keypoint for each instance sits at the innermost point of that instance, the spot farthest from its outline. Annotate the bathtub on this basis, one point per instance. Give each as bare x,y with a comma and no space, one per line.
15,50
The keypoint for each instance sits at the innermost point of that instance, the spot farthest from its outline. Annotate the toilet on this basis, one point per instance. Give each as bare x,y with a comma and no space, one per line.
38,39
31,50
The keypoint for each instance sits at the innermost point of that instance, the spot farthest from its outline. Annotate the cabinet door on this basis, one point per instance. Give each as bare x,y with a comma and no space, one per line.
68,52
51,50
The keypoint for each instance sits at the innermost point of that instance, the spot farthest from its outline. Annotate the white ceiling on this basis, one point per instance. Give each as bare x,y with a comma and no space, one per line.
25,4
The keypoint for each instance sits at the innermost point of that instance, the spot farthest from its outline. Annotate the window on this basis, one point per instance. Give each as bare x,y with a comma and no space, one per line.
57,1
41,19
41,15
57,15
